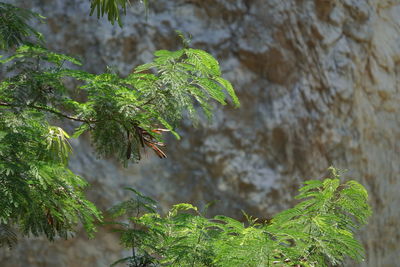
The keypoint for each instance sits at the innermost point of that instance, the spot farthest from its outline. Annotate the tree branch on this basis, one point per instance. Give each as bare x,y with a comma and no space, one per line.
47,109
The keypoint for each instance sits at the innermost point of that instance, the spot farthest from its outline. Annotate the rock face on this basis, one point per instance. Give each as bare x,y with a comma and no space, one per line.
319,83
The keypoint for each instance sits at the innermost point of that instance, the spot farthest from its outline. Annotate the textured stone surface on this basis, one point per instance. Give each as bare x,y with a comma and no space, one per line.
319,84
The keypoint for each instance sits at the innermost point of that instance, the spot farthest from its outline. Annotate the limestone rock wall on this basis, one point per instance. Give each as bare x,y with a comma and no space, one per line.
319,83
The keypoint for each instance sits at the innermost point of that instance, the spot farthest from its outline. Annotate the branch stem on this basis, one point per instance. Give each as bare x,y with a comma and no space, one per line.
48,109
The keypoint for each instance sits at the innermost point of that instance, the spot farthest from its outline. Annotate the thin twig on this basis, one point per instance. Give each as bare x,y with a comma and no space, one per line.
49,110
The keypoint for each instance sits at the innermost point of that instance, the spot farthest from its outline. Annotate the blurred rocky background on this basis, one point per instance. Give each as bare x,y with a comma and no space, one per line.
319,83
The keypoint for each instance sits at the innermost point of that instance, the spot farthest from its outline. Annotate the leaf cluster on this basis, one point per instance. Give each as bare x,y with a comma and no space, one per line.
15,26
39,194
117,110
319,231
112,9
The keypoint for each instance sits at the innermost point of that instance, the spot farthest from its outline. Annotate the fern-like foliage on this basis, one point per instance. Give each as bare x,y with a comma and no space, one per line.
7,236
39,194
112,9
15,26
319,231
122,113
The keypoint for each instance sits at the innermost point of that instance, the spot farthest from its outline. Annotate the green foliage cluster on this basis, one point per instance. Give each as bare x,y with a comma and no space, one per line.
116,108
316,232
38,192
112,9
40,195
14,26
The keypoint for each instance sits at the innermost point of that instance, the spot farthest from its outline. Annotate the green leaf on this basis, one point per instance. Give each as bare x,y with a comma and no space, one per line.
80,130
229,88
